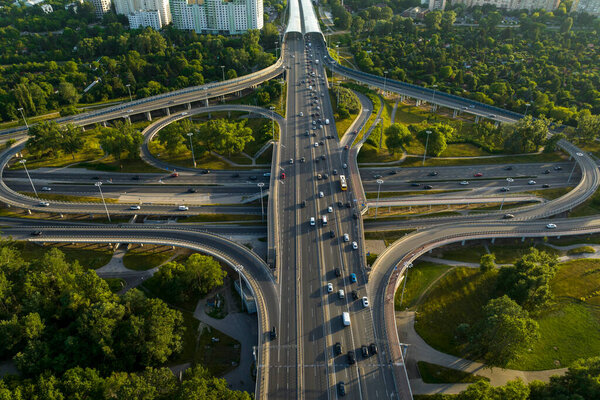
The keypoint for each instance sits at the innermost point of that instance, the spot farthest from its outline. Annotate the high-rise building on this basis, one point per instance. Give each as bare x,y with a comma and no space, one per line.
437,5
140,19
142,13
548,5
587,6
217,16
101,7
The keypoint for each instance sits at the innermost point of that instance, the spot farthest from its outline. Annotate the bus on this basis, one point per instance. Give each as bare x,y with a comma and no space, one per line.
343,182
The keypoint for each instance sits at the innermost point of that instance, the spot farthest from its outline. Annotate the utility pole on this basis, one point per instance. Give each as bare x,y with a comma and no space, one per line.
23,115
574,165
99,186
129,90
30,181
426,144
190,134
239,268
408,266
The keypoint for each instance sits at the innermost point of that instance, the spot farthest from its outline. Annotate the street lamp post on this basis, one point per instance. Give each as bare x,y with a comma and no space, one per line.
408,266
272,108
239,268
23,115
223,71
262,212
433,97
129,90
99,186
190,134
384,80
527,107
30,181
426,144
574,165
509,180
379,182
276,49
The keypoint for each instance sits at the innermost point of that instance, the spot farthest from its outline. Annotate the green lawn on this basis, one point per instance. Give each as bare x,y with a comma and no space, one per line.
506,253
429,215
581,250
569,328
382,195
92,256
191,351
388,237
66,197
420,277
416,161
110,164
341,125
433,373
463,150
590,207
147,257
550,194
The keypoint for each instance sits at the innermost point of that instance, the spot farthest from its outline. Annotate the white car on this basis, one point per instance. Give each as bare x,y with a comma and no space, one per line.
291,160
301,114
267,174
321,195
312,221
316,143
183,208
135,207
531,182
341,294
464,183
44,204
551,226
46,189
329,288
182,114
354,245
346,237
345,165
365,302
329,209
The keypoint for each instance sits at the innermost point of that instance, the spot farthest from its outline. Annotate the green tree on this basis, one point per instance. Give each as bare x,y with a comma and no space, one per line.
505,330
44,137
487,262
448,20
72,139
566,25
397,135
588,126
433,20
67,93
122,139
527,135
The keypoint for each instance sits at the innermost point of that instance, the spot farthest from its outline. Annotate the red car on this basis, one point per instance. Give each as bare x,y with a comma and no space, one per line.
174,175
478,174
283,175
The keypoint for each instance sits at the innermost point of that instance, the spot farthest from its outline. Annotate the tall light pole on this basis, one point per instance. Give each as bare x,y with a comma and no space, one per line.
239,268
272,108
384,80
99,186
30,181
379,182
262,212
426,144
337,97
223,70
129,90
433,97
408,266
276,48
23,115
509,180
527,107
190,134
574,165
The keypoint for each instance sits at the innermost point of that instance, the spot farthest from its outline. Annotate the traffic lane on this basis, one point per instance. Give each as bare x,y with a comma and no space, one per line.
465,172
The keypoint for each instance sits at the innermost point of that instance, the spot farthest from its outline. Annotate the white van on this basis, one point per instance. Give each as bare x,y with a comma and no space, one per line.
346,318
324,219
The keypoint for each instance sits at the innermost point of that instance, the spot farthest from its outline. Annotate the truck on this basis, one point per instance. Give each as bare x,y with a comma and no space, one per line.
346,318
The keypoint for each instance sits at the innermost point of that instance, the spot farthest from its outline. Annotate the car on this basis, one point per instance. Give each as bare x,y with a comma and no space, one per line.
291,161
205,171
415,184
557,167
478,174
335,171
36,233
253,178
508,216
282,176
354,245
392,172
340,204
509,168
351,357
303,204
377,177
267,174
319,176
464,183
321,195
346,147
329,287
95,178
545,186
321,142
191,190
354,294
325,176
345,166
46,189
365,302
365,351
235,175
505,189
531,182
183,208
303,159
329,209
301,114
346,237
130,111
433,173
373,348
307,133
353,277
547,171
427,187
492,116
44,204
135,207
338,272
323,157
551,226
312,221
182,114
341,294
337,348
355,215
316,144
174,175
273,334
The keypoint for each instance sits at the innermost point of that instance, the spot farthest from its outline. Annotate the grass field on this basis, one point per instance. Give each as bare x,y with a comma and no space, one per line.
92,256
383,195
507,252
66,197
115,284
218,357
550,194
581,250
143,258
590,207
433,373
569,328
419,278
341,125
388,237
221,217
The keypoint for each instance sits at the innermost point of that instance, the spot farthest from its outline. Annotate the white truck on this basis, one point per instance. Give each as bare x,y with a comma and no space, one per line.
346,318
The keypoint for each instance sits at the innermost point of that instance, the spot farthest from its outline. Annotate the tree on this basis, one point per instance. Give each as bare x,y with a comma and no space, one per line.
397,135
448,20
527,135
588,126
72,139
505,330
433,20
528,280
440,133
121,139
552,142
487,262
44,137
567,24
67,93
174,136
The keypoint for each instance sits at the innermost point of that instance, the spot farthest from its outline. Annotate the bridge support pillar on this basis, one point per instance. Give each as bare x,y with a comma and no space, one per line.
417,102
493,240
29,211
523,239
434,108
167,111
477,119
463,242
206,102
126,118
148,115
455,113
104,124
496,124
189,106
